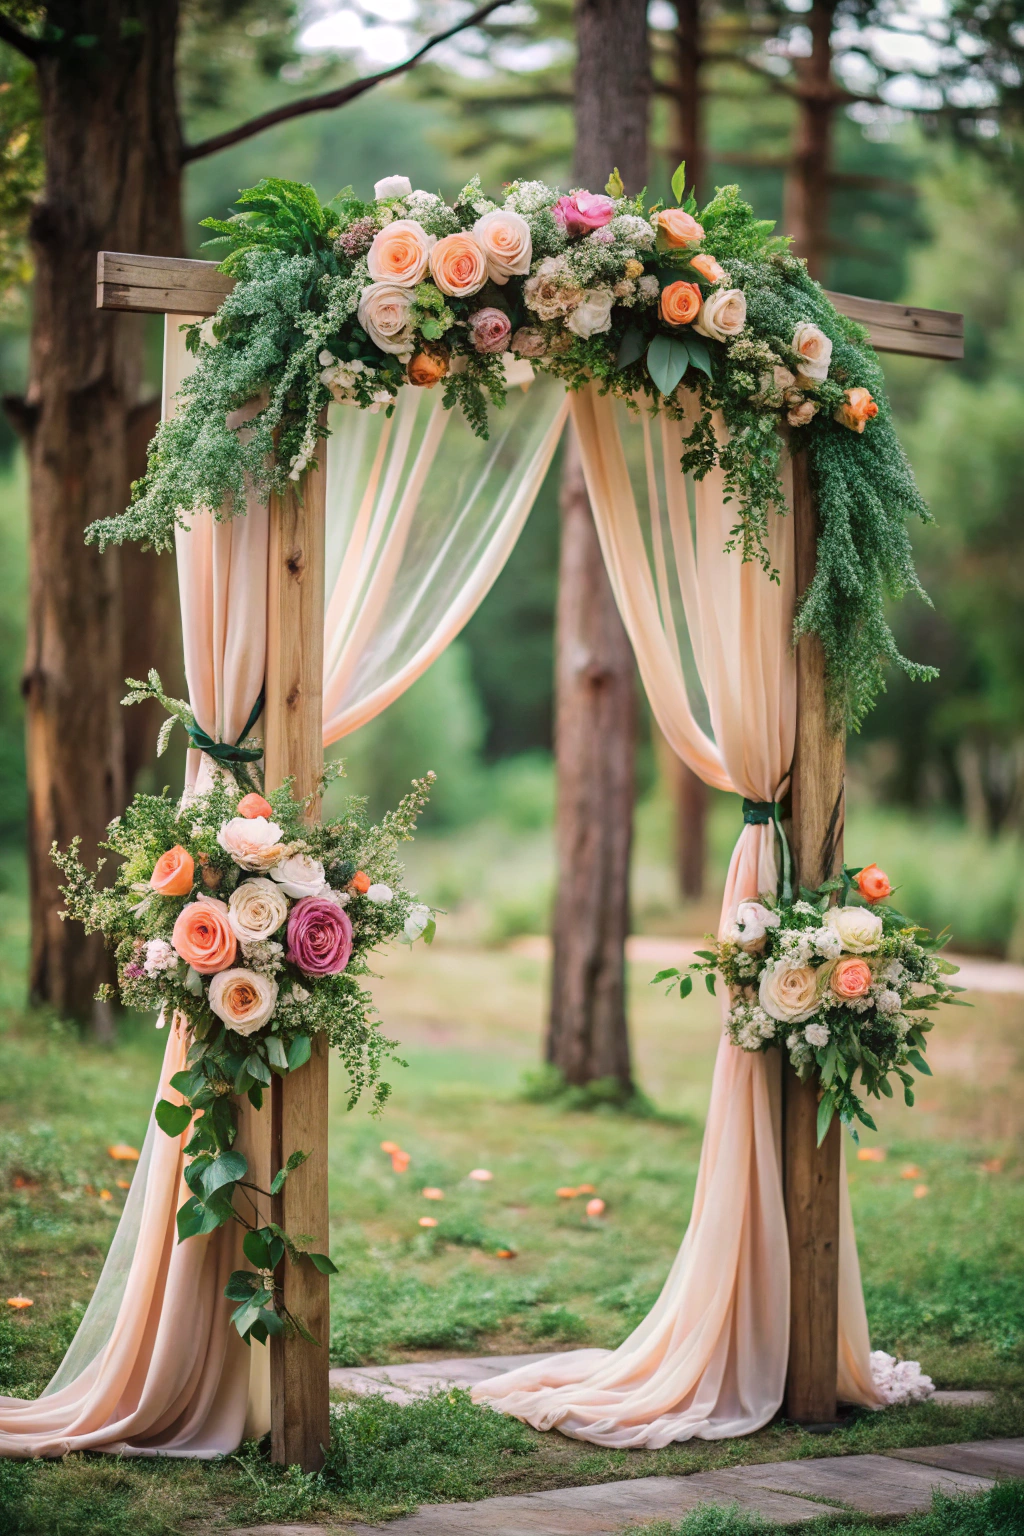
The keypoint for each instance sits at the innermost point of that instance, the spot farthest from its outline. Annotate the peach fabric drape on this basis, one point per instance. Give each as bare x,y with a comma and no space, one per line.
709,1360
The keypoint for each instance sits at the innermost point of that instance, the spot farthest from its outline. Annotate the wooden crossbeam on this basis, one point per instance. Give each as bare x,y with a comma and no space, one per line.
171,285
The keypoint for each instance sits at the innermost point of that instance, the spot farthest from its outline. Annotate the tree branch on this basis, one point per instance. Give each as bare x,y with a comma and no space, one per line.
329,99
14,37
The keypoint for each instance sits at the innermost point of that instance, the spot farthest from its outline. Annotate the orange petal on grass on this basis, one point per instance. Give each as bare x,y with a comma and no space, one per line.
566,1192
428,1221
399,1161
123,1183
432,1194
390,1147
121,1152
871,1155
993,1165
911,1171
920,1190
105,1194
586,1189
504,1253
481,1175
19,1303
595,1207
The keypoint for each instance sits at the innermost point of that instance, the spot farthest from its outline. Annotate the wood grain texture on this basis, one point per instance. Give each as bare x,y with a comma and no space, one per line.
174,285
811,1173
299,1393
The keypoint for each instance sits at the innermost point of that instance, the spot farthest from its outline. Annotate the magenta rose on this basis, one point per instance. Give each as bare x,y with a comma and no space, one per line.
583,211
489,330
319,936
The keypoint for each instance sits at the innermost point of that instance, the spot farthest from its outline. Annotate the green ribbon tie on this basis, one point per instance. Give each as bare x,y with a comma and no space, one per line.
762,813
223,751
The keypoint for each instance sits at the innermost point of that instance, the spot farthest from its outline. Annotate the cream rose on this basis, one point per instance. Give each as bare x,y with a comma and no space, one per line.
750,925
300,876
384,316
245,1000
814,350
790,995
506,242
458,265
723,314
256,909
593,313
252,841
391,186
859,931
400,253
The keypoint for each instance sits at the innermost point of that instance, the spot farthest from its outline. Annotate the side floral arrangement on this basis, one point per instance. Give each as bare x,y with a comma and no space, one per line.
354,300
251,930
844,989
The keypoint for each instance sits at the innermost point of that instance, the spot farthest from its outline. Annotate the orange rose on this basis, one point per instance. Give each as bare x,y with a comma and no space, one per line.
851,978
680,303
677,228
873,883
426,368
254,805
173,872
856,410
708,267
360,882
458,265
202,936
399,253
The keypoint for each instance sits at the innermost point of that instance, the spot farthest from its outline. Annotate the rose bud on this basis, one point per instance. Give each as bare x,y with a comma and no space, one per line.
427,367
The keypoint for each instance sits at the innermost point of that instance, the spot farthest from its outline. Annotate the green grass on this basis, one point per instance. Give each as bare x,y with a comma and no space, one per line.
997,1513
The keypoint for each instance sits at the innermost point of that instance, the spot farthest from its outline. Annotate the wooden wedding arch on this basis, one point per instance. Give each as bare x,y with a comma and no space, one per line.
297,1115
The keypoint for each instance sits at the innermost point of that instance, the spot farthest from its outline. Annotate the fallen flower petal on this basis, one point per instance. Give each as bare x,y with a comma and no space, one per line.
920,1191
105,1194
399,1161
566,1192
504,1253
595,1207
121,1152
586,1189
19,1302
428,1221
911,1171
871,1155
481,1175
390,1147
122,1183
432,1194
993,1165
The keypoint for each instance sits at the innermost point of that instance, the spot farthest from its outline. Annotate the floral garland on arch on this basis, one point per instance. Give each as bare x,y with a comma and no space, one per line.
844,989
251,930
354,300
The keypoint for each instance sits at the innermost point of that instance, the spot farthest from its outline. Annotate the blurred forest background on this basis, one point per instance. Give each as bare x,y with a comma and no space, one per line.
924,205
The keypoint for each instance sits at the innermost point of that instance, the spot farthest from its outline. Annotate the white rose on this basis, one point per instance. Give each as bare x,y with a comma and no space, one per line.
391,186
507,244
380,895
252,841
723,314
300,876
384,316
751,924
814,350
859,930
593,313
791,994
816,1035
256,909
245,1000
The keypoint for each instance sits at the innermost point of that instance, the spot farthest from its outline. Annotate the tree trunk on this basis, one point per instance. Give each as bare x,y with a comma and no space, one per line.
689,116
595,703
113,156
806,210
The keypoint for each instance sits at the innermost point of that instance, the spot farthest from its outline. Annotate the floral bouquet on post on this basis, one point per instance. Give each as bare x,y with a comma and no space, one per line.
251,930
844,989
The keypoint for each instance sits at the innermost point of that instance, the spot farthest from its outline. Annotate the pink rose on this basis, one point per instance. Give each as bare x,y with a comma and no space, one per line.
583,211
489,330
851,978
319,936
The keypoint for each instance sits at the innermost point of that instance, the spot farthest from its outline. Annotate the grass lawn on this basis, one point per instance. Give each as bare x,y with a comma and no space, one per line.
940,1223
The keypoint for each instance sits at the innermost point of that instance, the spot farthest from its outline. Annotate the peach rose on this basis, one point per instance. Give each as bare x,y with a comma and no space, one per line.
425,369
708,267
856,410
400,253
245,1000
173,872
677,228
679,303
814,349
360,882
851,978
202,936
254,805
458,265
252,841
506,242
383,314
873,883
723,314
802,414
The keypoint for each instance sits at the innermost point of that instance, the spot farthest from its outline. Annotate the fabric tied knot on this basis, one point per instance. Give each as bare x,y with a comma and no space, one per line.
225,751
764,813
758,813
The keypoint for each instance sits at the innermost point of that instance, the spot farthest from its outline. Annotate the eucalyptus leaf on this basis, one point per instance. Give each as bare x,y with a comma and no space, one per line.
321,1262
193,982
299,1052
700,357
631,347
276,1053
826,1110
257,1068
667,361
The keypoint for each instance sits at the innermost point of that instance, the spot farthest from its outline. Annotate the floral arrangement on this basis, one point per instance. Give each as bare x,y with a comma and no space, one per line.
354,300
844,988
251,929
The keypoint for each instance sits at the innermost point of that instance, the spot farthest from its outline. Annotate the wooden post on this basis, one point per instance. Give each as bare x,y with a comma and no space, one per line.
811,1173
293,735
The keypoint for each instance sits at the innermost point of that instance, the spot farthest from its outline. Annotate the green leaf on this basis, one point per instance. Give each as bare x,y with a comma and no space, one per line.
709,982
700,357
667,361
172,1118
679,181
667,975
883,1083
242,1285
429,931
190,1219
255,1096
631,347
908,1095
826,1109
304,1332
295,1161
271,1322
686,986
193,982
614,186
299,1052
865,1118
257,1250
276,1053
828,1066
917,1060
257,1067
707,954
321,1262
226,1169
